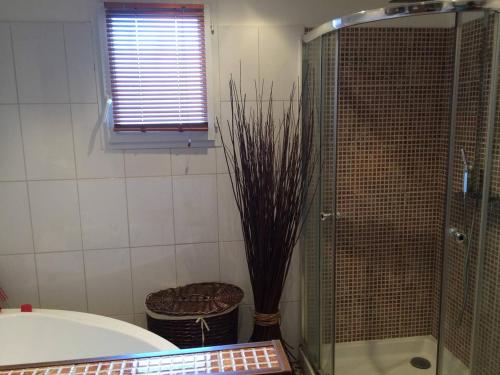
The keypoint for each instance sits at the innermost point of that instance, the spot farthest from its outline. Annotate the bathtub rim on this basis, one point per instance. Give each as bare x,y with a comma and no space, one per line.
94,320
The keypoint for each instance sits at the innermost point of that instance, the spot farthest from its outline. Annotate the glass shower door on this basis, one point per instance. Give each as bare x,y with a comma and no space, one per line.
468,329
310,241
486,340
318,236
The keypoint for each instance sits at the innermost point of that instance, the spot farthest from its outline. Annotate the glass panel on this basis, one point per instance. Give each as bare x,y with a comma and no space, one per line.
486,351
320,73
311,234
328,162
464,210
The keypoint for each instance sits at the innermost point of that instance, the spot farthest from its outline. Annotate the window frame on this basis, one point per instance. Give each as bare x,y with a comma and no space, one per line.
154,139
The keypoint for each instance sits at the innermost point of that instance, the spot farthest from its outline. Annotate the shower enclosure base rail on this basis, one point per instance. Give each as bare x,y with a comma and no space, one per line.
390,357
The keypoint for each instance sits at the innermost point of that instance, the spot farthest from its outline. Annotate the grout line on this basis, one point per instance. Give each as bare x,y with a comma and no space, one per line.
128,233
25,167
258,57
95,66
173,220
118,247
218,221
218,65
34,253
149,176
76,169
47,103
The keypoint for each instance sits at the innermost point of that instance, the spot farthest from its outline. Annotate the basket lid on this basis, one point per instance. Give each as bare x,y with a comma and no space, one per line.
195,299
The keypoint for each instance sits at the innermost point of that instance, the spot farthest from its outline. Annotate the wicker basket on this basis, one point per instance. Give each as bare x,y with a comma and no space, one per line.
204,314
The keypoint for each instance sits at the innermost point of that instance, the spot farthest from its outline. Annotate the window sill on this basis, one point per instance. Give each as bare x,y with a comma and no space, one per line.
138,140
151,139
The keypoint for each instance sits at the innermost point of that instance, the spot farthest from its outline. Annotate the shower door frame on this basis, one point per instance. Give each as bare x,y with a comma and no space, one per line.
305,355
488,168
449,188
409,10
328,219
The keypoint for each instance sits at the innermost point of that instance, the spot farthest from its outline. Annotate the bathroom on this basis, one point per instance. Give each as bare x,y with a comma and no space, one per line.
396,268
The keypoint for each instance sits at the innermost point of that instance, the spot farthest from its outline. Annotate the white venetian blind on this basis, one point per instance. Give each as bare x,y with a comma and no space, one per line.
157,66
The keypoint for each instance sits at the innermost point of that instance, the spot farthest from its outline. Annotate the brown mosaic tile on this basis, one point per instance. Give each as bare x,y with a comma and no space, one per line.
392,139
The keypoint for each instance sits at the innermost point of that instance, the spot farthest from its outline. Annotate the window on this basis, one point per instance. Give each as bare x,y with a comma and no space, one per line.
157,67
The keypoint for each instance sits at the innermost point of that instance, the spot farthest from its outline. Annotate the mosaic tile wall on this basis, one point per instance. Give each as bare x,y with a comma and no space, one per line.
392,142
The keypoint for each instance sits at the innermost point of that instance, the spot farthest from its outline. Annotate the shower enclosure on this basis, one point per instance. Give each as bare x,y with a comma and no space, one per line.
401,247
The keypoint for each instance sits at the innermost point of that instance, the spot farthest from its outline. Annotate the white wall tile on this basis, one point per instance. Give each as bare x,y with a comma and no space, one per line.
80,60
11,145
238,50
18,279
279,52
229,217
141,320
150,211
61,281
40,62
197,263
92,160
104,213
195,208
225,116
55,215
153,268
245,323
221,160
144,163
8,90
193,161
48,141
15,225
108,279
234,269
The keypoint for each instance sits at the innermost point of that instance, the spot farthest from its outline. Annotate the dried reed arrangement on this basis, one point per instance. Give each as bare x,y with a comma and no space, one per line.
271,162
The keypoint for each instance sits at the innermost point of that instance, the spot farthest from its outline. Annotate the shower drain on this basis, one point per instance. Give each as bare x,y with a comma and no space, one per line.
420,363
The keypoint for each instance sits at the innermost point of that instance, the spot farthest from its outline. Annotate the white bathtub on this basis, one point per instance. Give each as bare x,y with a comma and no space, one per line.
53,335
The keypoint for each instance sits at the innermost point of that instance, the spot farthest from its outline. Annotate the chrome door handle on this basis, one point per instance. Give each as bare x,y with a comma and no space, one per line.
325,215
